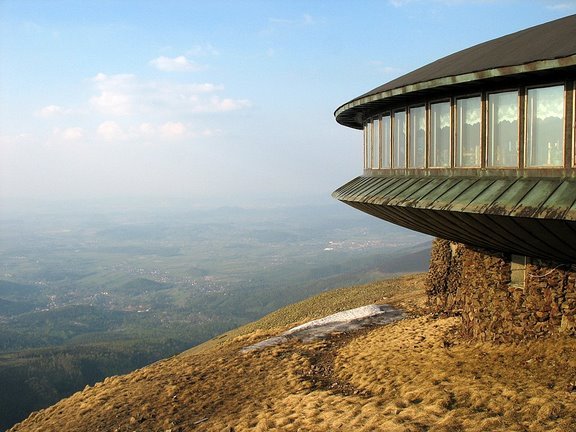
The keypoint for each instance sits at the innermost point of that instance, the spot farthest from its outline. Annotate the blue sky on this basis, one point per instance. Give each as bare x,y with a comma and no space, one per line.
224,102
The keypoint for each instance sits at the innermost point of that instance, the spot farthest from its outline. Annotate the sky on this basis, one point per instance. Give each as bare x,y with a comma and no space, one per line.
211,102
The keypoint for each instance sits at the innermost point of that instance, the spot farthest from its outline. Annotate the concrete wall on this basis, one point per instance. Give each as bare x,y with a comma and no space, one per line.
475,284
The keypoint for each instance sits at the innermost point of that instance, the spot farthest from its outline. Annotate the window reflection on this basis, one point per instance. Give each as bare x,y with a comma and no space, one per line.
468,117
440,135
417,137
367,144
544,126
399,140
503,129
386,140
408,136
376,143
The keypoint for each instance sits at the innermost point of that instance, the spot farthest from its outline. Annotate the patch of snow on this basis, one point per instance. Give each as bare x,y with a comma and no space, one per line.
352,319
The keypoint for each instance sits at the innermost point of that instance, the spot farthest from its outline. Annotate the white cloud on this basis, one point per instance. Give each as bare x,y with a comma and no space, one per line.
203,50
111,131
381,67
222,105
172,130
126,95
69,134
560,5
175,64
50,111
399,3
304,20
115,94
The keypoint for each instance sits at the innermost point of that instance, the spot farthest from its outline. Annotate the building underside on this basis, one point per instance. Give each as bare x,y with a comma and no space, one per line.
535,217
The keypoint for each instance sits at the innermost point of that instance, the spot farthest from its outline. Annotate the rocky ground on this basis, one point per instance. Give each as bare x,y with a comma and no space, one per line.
416,374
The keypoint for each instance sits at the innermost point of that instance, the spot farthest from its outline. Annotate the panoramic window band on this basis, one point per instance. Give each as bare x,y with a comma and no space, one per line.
448,134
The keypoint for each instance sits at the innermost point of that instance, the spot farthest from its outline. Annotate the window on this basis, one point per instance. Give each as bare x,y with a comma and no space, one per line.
399,140
375,143
468,119
385,125
518,271
502,148
545,126
440,135
417,138
367,144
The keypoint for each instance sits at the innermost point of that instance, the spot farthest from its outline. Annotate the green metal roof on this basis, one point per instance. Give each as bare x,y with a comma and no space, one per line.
541,198
528,216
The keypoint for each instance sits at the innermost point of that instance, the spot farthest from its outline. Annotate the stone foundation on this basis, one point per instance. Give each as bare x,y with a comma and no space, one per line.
476,284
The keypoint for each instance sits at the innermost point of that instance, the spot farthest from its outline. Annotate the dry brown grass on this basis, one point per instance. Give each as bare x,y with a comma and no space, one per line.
413,375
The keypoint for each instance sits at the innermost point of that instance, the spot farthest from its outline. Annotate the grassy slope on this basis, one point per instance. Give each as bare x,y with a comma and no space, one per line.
413,375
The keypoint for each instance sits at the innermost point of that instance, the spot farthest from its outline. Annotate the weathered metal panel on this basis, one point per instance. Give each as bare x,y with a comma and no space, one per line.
369,190
433,197
410,193
559,202
511,197
491,194
454,194
524,197
434,182
469,195
535,198
391,190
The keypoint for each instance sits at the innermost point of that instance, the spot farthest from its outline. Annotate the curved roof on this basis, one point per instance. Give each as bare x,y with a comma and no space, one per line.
527,216
547,46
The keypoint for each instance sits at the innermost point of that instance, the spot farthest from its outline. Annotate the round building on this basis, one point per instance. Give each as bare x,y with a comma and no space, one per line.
478,149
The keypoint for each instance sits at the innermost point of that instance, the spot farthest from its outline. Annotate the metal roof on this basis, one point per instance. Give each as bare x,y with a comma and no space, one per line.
548,46
528,216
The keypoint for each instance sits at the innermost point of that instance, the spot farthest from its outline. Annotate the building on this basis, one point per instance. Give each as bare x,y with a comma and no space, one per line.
478,149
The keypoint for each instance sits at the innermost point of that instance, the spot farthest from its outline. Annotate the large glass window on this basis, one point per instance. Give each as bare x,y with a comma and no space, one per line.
367,144
468,119
376,143
399,140
503,129
385,125
417,138
440,135
545,126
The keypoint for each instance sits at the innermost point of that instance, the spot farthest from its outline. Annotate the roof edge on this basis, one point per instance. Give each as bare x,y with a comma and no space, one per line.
540,65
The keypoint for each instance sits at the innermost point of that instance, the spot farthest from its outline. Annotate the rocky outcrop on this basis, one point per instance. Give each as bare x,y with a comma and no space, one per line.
476,284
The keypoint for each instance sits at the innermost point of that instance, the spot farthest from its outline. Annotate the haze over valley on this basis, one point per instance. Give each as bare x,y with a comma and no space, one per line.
89,292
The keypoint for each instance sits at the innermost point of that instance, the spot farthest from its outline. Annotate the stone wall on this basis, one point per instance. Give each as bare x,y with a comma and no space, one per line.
475,284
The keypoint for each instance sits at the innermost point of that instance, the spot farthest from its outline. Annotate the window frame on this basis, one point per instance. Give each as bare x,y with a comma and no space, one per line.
456,134
562,84
394,139
367,149
488,129
518,265
451,142
389,146
376,145
409,137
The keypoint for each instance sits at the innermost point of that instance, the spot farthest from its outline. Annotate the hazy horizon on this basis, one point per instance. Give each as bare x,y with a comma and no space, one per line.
216,103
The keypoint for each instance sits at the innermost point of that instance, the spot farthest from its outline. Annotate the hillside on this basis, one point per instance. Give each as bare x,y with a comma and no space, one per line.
416,374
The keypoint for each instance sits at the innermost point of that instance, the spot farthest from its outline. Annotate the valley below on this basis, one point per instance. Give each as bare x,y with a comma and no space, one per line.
91,292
